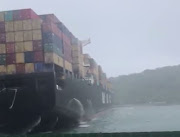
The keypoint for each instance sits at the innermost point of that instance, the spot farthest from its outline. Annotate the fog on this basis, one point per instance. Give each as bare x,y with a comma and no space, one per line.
127,36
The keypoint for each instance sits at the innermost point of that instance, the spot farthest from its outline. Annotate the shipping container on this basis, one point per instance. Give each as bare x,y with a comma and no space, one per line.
49,18
10,58
19,57
29,57
20,68
36,23
19,47
28,35
17,15
37,45
68,66
39,67
28,14
2,37
38,56
8,15
37,35
2,27
1,16
10,47
27,24
29,67
2,59
2,69
18,25
2,48
9,26
11,69
18,36
10,37
28,46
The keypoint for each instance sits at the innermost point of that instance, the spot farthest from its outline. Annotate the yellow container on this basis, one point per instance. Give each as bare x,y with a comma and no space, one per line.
9,26
49,57
19,36
29,67
37,35
1,16
10,37
2,48
68,66
36,23
28,35
11,69
18,25
28,46
2,69
19,47
27,24
19,57
76,53
60,61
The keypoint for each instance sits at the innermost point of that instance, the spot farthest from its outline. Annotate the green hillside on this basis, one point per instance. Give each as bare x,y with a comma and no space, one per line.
159,85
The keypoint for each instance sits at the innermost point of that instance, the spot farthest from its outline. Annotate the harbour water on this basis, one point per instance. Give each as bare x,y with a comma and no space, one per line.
133,119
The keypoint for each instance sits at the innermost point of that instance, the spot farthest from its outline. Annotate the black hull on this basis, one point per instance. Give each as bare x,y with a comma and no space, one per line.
37,96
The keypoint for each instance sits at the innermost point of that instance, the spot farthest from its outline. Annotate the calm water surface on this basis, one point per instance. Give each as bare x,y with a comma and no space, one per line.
134,119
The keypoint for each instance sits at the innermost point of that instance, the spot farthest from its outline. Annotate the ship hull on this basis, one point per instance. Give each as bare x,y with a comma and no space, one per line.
28,99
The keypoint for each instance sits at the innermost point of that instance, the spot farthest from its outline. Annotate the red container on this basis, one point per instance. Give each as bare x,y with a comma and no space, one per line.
17,15
10,58
2,27
66,39
2,38
20,68
50,18
38,56
37,45
50,27
28,14
10,47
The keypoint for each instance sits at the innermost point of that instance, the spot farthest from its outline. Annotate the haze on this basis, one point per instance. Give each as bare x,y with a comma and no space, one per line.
127,36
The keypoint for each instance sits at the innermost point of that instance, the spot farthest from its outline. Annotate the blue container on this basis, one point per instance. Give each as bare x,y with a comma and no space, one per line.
48,37
39,67
8,16
29,57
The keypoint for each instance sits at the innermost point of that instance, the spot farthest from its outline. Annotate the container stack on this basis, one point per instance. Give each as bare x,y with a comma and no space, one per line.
20,42
52,41
77,60
60,37
94,70
86,67
30,43
36,43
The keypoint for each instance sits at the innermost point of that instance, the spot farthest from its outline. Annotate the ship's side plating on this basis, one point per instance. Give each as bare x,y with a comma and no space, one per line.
24,98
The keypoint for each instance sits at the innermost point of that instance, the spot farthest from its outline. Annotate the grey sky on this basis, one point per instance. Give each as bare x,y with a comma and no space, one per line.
127,35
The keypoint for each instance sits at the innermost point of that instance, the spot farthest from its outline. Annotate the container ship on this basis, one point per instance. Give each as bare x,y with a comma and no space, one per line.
46,81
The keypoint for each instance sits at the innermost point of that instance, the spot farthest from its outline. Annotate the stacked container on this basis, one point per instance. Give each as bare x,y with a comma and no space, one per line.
77,60
94,70
55,38
20,41
30,43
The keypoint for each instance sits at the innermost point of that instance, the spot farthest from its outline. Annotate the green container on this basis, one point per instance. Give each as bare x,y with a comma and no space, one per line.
49,47
3,59
8,16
